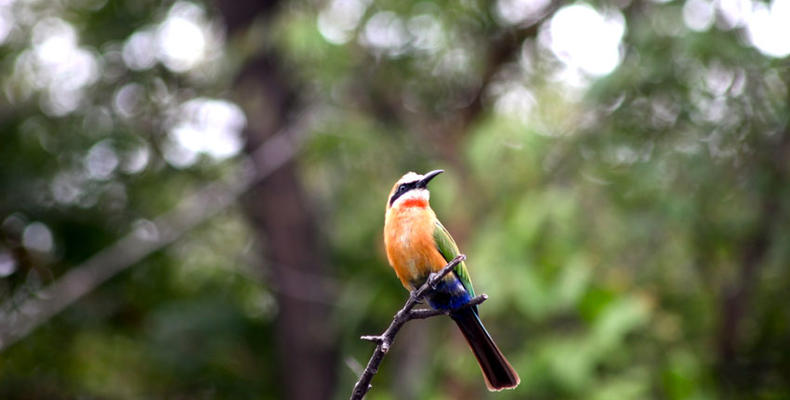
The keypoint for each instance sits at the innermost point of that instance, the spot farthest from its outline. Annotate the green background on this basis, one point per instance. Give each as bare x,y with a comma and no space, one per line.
632,231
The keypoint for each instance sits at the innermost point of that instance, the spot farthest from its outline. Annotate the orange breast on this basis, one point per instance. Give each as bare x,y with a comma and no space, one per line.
408,238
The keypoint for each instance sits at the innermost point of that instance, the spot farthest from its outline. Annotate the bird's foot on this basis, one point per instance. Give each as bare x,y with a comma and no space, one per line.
433,280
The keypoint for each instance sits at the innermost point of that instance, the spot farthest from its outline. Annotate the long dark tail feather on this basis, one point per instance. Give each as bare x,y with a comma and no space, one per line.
496,369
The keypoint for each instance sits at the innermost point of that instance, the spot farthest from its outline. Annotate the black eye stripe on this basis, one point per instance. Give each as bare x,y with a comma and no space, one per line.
403,188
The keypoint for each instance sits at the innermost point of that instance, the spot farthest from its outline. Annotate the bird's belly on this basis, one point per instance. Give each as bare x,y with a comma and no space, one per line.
411,249
413,255
416,265
411,262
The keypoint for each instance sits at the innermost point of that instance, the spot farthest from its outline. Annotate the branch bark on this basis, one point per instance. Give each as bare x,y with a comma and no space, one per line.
403,316
22,313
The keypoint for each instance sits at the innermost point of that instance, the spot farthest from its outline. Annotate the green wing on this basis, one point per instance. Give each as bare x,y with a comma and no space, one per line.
448,249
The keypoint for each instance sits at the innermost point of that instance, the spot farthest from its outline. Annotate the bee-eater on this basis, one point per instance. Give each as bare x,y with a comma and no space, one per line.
418,244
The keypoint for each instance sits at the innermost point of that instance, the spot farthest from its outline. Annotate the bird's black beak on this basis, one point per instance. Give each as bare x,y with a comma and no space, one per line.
427,178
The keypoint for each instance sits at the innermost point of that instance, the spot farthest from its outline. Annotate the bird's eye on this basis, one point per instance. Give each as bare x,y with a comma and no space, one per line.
402,188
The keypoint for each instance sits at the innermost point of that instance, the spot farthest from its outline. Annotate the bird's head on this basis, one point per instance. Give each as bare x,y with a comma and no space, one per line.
411,188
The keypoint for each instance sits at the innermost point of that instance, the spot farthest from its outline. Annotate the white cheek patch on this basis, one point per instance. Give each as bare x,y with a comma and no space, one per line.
414,194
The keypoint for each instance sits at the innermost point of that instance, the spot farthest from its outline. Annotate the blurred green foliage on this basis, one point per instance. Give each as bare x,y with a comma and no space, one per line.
630,228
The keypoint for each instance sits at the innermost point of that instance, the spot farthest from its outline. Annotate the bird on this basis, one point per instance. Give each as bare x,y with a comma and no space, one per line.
417,244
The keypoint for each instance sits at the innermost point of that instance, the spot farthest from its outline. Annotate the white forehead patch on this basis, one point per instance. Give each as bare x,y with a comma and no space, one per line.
410,177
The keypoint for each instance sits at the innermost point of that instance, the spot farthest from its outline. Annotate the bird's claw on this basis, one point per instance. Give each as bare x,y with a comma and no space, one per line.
432,280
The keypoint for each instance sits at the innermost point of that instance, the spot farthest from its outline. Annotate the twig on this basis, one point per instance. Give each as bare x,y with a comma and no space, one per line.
404,315
428,313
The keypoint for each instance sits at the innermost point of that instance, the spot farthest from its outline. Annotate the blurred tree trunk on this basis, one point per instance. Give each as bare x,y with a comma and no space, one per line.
280,213
737,297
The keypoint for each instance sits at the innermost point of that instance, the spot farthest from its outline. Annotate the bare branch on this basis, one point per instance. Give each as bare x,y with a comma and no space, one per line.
404,315
428,313
21,313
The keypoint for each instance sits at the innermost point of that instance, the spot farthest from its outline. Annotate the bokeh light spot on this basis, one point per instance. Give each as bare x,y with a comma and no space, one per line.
512,12
101,160
58,66
180,39
139,51
208,126
126,100
586,40
769,28
7,264
386,32
339,19
38,237
698,14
